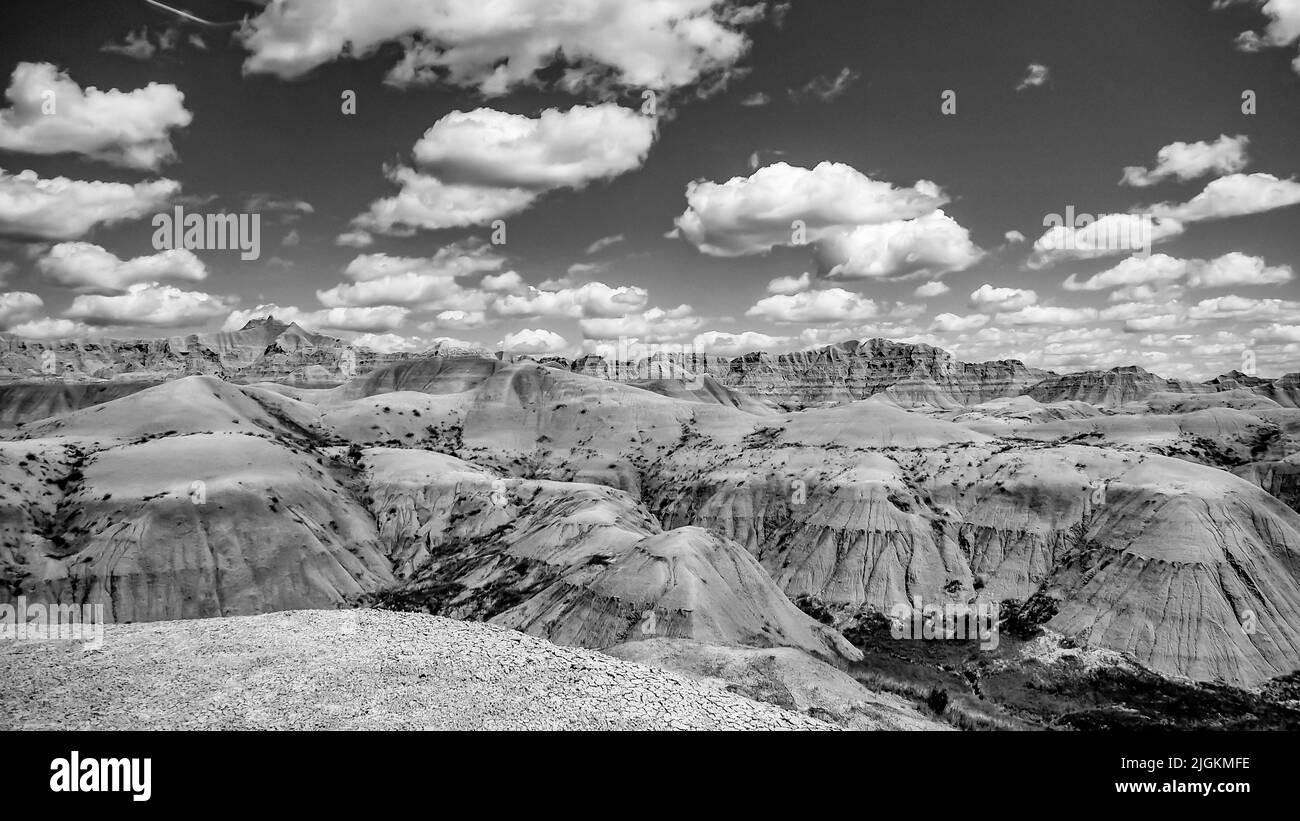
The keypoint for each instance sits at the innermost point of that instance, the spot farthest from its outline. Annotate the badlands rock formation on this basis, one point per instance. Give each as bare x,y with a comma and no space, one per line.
1159,516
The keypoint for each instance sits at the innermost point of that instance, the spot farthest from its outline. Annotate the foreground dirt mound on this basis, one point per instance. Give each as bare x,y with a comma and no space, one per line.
352,670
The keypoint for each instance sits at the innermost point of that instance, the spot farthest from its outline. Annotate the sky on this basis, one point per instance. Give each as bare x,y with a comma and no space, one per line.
1077,189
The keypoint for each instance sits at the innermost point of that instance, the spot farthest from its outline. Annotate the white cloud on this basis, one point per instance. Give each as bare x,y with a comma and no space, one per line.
1233,196
997,300
1189,161
374,319
653,325
735,344
831,305
1036,75
1103,236
495,47
926,246
148,304
91,269
482,165
48,328
790,285
19,306
929,290
532,341
603,243
591,300
1283,28
951,323
60,208
126,128
750,215
1045,315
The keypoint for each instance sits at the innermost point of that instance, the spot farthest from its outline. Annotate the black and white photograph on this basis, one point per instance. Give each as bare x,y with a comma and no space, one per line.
920,367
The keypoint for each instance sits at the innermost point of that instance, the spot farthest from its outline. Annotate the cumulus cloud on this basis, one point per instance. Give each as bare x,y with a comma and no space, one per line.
653,325
371,319
1188,161
383,279
51,328
125,128
1233,196
533,341
997,300
735,344
1104,236
495,47
18,306
92,269
925,246
60,208
1231,269
161,306
481,165
750,215
952,323
1045,315
790,285
590,300
831,305
929,290
1283,27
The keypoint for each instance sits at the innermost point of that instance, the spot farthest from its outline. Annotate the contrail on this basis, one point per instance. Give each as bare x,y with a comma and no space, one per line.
186,15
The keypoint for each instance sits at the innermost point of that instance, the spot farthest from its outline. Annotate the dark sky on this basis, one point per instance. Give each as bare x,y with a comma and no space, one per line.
1123,78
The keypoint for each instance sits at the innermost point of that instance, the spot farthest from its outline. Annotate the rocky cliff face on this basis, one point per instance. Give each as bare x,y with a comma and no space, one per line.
263,350
1111,388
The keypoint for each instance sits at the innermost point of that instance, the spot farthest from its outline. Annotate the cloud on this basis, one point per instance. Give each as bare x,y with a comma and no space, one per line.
751,215
49,328
790,285
603,243
1106,235
827,87
19,306
136,45
926,246
735,344
495,47
91,269
997,300
1233,196
1189,161
758,98
1231,269
591,300
59,208
653,325
1283,28
931,289
951,323
1045,315
373,319
382,279
482,165
533,341
1036,75
831,305
161,306
125,128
